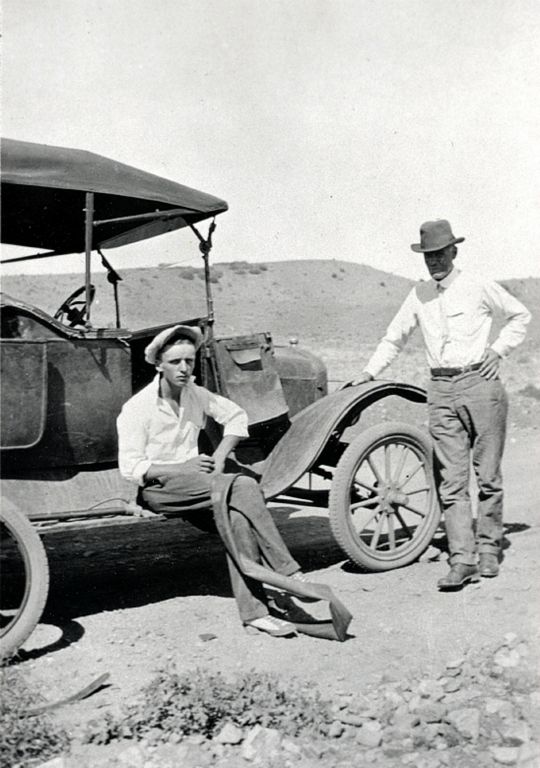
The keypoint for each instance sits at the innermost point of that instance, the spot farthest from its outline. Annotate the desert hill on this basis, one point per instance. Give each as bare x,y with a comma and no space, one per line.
336,309
320,302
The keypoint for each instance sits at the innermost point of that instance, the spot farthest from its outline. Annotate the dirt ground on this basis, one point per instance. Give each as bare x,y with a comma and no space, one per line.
127,600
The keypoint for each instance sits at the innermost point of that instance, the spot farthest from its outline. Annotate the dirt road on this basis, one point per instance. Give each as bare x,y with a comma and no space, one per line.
127,600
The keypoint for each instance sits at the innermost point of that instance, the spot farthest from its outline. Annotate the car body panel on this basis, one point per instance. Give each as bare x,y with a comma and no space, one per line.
311,429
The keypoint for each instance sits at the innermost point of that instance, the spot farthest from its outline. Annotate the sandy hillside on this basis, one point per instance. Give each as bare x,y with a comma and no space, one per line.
336,309
318,300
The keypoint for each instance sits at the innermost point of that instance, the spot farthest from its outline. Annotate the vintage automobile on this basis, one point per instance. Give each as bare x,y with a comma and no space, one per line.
64,382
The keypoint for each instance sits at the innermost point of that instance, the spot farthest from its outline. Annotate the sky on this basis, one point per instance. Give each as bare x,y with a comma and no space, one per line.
333,128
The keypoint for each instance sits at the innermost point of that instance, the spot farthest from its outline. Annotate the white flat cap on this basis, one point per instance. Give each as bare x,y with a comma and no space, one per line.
190,332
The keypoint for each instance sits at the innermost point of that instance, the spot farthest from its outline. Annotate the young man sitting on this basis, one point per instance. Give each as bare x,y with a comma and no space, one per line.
158,431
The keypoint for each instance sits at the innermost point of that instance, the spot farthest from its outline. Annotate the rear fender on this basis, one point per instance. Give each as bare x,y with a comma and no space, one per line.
301,446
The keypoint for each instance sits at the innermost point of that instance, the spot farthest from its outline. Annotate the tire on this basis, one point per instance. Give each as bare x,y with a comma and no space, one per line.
25,605
387,529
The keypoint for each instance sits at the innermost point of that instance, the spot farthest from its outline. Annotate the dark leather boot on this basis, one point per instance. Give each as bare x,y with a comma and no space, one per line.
489,565
459,575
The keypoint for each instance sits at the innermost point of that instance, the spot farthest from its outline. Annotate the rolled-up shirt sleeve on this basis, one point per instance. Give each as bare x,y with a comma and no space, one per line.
132,461
516,314
233,418
395,338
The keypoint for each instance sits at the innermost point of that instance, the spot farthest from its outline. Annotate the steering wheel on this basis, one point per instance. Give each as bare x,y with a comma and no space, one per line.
74,311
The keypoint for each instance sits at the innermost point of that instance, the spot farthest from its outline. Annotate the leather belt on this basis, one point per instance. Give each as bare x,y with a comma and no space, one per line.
455,371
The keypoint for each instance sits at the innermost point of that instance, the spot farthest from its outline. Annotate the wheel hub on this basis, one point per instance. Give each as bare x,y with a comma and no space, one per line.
392,495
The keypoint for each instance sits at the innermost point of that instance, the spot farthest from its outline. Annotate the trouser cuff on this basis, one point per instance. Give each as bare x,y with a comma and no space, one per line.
463,560
489,549
252,615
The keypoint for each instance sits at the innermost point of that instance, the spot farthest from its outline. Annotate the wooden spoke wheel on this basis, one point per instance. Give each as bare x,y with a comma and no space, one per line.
25,581
383,502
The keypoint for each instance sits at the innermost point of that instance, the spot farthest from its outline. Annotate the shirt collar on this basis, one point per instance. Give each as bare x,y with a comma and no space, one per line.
448,280
156,386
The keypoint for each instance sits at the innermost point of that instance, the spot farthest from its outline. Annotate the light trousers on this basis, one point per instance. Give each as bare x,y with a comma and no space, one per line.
467,418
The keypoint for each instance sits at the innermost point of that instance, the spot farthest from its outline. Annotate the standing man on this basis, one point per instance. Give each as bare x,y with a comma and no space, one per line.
158,432
467,403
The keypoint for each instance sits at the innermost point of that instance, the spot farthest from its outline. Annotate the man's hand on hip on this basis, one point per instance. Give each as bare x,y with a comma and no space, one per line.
490,364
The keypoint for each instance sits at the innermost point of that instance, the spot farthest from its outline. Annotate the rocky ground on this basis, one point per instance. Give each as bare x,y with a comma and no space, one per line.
481,709
425,678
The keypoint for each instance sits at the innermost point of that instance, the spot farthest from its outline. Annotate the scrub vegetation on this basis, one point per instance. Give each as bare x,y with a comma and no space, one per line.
25,738
202,702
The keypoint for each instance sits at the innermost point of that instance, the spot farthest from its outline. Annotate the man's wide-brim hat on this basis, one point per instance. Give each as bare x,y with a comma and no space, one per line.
435,235
194,334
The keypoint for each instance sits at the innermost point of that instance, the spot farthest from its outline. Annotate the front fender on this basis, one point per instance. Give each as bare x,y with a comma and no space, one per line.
304,441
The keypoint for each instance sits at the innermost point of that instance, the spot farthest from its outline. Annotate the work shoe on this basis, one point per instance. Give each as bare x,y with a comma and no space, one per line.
272,626
489,565
459,575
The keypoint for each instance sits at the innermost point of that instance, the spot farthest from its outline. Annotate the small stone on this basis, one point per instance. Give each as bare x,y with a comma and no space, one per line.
230,734
350,719
510,639
507,658
431,689
515,733
207,636
466,721
504,755
261,743
426,735
370,734
455,663
529,755
291,747
414,702
393,698
403,723
311,751
195,738
455,672
412,757
452,686
187,755
336,729
523,650
493,706
431,712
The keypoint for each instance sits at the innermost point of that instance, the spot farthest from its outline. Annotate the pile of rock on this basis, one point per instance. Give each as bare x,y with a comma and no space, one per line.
481,710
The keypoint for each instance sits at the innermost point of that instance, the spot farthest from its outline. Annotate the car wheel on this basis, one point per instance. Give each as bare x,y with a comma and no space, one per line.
25,576
383,503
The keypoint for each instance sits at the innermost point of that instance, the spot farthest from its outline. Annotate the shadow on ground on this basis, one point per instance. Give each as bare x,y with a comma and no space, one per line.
127,566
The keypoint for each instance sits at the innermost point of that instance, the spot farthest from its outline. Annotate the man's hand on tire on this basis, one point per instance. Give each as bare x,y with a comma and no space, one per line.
361,379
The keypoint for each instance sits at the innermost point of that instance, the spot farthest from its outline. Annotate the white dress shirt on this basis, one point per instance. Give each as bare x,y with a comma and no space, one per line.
455,318
149,431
